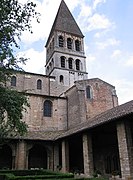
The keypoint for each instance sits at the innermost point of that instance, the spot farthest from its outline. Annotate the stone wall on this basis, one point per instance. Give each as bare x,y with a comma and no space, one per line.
81,108
73,107
28,82
103,96
37,121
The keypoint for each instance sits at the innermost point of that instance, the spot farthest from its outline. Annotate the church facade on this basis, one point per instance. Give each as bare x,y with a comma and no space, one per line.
74,123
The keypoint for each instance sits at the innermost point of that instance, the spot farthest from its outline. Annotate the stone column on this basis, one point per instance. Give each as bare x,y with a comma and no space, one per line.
87,155
21,155
50,158
65,156
56,157
124,140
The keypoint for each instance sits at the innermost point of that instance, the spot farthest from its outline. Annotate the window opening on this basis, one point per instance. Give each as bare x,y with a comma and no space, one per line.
77,45
61,41
70,63
69,43
47,108
63,61
77,64
61,79
13,81
88,92
39,84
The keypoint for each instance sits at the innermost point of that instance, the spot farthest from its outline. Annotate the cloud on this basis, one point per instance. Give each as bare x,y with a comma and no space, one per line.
87,19
102,33
73,4
85,11
124,90
97,2
107,43
130,61
36,62
90,58
48,10
98,21
116,53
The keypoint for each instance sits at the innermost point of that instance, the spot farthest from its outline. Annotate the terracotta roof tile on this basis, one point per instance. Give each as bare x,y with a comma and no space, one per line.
42,135
105,117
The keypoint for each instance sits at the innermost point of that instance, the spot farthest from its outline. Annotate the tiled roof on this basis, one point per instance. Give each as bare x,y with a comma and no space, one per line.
42,135
105,117
65,22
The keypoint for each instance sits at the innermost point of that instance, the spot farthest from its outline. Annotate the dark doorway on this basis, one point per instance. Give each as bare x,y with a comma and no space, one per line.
105,149
5,157
37,157
76,154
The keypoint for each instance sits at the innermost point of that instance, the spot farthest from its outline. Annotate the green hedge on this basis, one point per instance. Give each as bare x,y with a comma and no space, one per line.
28,172
97,179
38,175
35,175
12,177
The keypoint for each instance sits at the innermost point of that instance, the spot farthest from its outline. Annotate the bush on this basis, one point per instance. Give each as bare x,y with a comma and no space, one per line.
34,174
96,178
27,172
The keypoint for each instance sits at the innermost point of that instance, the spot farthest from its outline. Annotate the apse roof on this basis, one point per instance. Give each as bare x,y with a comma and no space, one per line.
65,22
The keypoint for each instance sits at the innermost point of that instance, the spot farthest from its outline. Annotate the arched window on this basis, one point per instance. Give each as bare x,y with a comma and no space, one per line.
13,81
77,45
78,64
47,109
89,94
61,41
70,63
62,61
39,84
69,43
61,79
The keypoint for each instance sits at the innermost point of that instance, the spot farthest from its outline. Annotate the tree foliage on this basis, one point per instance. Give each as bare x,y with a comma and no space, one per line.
12,105
14,19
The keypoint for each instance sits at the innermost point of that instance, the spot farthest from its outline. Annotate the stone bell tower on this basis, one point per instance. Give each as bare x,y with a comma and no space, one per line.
65,57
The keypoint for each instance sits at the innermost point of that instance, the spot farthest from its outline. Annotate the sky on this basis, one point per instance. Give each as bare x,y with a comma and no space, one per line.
108,29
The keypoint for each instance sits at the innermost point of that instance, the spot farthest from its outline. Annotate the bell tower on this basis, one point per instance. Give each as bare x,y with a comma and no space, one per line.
65,57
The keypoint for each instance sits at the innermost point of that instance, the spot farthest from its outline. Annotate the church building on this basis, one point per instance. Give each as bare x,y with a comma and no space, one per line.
74,123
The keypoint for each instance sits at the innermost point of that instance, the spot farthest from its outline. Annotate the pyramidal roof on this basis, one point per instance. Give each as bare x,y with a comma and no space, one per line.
65,22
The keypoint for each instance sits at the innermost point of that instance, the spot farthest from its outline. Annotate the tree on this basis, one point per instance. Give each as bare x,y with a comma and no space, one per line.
14,19
12,105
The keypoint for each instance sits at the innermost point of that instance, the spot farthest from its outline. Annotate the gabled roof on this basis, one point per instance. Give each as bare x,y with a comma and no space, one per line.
65,22
119,112
114,114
